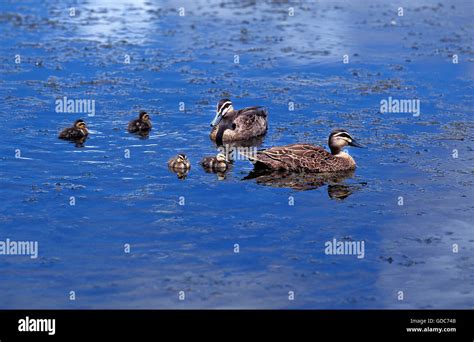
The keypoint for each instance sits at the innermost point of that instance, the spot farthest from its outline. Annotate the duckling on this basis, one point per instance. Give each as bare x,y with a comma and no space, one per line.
179,163
218,163
233,125
140,125
306,157
77,132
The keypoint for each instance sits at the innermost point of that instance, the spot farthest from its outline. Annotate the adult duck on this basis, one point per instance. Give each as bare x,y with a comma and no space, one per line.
233,125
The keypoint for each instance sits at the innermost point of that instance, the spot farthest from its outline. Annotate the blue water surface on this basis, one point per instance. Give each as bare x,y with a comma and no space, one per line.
183,233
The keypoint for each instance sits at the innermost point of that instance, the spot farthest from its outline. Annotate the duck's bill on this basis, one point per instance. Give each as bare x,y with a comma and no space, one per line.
216,120
355,144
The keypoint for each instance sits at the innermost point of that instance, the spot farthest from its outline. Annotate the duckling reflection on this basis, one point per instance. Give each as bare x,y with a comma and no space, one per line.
181,174
79,142
143,135
337,189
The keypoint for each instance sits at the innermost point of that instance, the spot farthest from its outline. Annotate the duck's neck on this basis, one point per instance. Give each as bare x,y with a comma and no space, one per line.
334,150
223,125
220,134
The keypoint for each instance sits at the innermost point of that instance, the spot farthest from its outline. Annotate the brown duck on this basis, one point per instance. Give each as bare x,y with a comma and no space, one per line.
218,163
307,157
77,132
180,165
141,125
234,125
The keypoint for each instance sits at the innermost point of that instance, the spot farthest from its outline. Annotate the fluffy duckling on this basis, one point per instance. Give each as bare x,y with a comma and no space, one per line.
179,165
142,125
218,163
77,132
180,162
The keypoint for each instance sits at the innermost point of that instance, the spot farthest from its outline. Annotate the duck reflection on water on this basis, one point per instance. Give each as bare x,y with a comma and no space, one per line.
338,189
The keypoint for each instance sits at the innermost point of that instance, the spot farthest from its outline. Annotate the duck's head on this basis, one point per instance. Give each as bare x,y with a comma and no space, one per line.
340,138
144,116
221,157
80,124
181,158
224,106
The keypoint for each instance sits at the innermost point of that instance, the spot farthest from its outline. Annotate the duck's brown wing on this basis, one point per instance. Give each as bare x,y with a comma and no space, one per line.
138,125
296,157
257,110
249,122
251,116
71,133
243,124
133,126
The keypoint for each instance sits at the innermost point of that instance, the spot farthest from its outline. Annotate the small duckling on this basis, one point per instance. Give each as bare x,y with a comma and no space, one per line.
180,162
77,132
142,125
179,165
218,163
